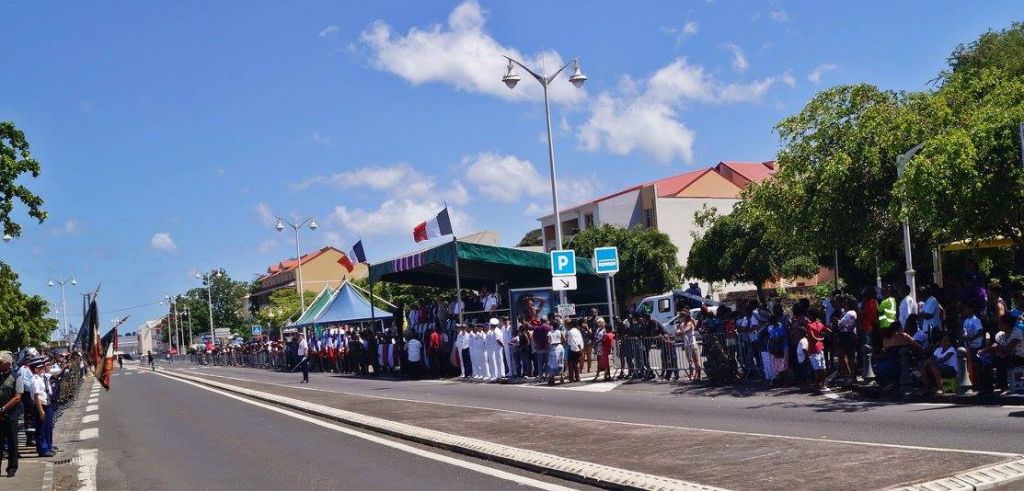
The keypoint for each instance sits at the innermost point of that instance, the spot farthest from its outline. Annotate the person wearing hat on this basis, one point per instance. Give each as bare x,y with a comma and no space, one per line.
10,408
507,334
40,402
495,367
27,403
477,343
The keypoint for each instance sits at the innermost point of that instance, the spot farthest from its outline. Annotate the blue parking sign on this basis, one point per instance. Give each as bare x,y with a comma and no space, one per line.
563,263
606,260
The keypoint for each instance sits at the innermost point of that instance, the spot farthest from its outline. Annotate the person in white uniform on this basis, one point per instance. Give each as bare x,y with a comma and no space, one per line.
492,360
461,344
506,340
476,351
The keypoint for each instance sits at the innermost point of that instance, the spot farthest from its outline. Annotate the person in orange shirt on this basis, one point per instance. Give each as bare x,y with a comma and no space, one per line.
816,348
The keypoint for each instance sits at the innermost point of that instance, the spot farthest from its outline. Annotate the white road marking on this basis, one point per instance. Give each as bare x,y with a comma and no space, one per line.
500,474
92,407
92,400
590,387
88,433
87,460
649,425
90,418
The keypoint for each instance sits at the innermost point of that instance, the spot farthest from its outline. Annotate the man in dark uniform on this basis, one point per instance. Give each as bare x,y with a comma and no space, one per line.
10,410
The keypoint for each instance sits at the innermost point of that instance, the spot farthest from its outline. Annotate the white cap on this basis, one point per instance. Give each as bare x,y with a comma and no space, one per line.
494,321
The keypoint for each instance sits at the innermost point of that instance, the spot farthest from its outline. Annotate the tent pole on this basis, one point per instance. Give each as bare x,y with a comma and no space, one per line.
373,310
458,281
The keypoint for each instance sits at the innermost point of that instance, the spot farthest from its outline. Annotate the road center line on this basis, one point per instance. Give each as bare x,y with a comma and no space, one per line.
644,425
508,476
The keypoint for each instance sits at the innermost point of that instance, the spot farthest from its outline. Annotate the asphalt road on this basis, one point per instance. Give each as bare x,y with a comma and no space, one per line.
158,434
983,428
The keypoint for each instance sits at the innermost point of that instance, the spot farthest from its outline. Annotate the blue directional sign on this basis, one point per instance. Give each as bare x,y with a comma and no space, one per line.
606,260
563,263
257,330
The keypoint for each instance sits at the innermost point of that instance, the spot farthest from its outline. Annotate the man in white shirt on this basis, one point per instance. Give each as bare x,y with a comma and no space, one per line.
931,312
907,306
27,403
414,355
494,369
506,344
490,302
477,342
303,358
458,306
574,341
40,397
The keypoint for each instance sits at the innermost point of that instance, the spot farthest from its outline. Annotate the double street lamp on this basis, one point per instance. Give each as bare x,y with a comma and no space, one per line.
207,279
63,299
298,255
577,78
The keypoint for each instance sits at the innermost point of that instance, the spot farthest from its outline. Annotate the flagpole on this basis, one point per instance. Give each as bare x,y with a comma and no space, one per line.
458,280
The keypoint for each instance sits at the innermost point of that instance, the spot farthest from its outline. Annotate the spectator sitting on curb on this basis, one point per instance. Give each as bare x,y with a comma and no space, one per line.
942,364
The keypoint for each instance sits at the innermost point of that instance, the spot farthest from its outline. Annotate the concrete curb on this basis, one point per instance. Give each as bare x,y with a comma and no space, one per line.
570,469
976,479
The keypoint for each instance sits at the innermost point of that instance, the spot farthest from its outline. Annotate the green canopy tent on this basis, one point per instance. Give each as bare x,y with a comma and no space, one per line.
479,265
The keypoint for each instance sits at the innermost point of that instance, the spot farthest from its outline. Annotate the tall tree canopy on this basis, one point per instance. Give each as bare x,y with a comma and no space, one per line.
15,161
228,311
967,182
23,318
736,248
647,258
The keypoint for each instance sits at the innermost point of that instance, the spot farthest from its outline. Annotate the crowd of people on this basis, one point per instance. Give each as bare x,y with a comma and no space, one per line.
34,388
808,343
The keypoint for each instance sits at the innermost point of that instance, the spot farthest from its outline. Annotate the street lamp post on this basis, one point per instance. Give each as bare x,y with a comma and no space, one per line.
577,78
298,256
901,165
187,313
174,328
63,299
208,280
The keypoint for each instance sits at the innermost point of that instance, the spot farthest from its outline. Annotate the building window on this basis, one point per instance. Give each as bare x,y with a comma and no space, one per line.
649,218
571,227
588,221
549,232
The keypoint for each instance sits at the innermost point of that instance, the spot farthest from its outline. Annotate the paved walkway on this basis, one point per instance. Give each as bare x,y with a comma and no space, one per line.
734,460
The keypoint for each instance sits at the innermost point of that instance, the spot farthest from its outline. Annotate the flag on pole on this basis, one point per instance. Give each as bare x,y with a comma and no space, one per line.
90,322
354,256
109,345
435,227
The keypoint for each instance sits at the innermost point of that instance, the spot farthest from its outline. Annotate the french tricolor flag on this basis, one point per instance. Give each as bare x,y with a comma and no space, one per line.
435,227
356,253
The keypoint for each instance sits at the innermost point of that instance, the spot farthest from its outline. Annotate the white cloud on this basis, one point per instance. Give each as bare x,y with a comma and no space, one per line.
395,217
332,239
690,28
398,179
503,178
220,171
320,138
815,75
787,78
575,190
535,210
162,241
461,54
69,227
329,32
779,15
265,215
644,116
458,194
268,246
739,60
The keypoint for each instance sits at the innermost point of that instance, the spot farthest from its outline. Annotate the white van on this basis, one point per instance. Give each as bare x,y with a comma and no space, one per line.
663,308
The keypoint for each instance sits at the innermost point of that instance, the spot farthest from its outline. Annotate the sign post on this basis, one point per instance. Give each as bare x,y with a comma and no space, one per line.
606,263
563,276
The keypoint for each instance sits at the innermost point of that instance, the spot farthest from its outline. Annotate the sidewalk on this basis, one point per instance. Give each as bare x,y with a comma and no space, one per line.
733,460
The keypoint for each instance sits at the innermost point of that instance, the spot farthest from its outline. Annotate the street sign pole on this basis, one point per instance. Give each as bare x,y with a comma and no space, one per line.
611,310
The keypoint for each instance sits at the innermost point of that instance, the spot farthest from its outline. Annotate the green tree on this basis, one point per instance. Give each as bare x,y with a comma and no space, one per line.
967,182
228,311
837,168
23,318
406,295
15,160
531,238
736,248
284,307
647,258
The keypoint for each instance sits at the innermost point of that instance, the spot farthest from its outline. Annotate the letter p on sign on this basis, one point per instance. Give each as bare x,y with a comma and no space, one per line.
563,263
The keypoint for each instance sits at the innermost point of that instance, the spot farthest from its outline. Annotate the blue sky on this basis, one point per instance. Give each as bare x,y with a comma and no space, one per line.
170,132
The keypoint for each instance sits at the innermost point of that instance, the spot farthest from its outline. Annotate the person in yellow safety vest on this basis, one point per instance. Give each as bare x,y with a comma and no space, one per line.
887,309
